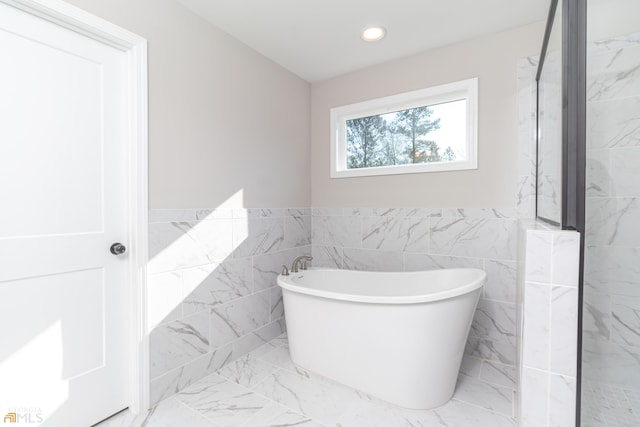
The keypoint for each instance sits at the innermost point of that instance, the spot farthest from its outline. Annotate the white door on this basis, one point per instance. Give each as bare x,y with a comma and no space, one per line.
63,203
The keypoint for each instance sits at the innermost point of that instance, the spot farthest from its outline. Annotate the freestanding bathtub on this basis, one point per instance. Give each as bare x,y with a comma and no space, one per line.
396,336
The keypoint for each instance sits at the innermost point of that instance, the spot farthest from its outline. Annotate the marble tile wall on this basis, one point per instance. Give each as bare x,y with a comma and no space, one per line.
611,332
547,308
407,239
212,293
547,294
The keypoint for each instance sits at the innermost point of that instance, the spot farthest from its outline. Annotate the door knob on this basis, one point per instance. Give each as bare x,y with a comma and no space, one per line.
118,249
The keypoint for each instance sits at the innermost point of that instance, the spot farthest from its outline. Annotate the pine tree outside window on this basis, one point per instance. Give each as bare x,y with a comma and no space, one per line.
429,130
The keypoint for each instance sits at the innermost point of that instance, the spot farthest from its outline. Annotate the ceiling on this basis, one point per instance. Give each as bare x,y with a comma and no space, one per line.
320,39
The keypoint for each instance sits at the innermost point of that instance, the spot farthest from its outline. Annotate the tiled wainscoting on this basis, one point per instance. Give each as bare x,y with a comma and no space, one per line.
212,294
547,324
405,239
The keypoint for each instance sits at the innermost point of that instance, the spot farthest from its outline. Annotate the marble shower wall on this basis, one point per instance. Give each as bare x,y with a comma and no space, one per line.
212,293
406,239
611,346
547,307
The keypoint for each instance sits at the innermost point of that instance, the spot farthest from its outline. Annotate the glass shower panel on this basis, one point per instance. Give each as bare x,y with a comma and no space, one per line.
549,136
611,309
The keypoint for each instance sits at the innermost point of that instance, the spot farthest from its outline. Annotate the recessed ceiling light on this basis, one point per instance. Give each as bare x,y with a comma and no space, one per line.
373,34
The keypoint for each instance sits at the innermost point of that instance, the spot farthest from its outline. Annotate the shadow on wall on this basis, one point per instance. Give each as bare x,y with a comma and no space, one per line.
212,286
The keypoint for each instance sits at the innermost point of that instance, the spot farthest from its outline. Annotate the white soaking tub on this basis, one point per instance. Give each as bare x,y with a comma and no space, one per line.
396,336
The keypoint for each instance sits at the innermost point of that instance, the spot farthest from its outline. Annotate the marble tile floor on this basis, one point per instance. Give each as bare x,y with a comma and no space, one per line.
264,388
607,405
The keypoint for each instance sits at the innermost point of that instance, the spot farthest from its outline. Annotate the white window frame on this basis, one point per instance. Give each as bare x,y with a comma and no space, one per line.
464,89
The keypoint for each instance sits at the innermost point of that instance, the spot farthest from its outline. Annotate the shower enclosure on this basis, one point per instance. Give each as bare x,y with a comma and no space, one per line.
611,284
588,179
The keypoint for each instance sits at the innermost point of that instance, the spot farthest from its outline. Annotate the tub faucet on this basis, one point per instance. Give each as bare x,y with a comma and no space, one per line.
302,261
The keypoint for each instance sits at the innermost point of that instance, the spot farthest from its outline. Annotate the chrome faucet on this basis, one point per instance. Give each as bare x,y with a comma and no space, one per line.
302,261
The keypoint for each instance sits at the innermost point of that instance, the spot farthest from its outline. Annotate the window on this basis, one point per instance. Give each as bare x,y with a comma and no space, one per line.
428,130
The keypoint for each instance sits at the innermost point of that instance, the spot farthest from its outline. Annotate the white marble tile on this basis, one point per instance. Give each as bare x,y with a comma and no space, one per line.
607,361
375,413
535,335
501,280
395,233
534,399
480,213
267,267
596,313
345,231
239,317
257,236
358,211
598,173
169,413
177,379
320,400
423,212
388,212
495,320
280,357
459,414
494,398
619,75
298,211
563,340
498,374
602,403
276,304
614,123
212,214
215,237
485,348
222,401
164,254
372,260
538,257
565,258
327,211
264,349
612,44
176,343
327,256
562,401
275,415
625,179
209,285
164,297
549,197
259,212
258,337
297,231
281,340
424,261
247,371
625,322
175,245
525,197
613,221
470,366
491,238
172,215
613,270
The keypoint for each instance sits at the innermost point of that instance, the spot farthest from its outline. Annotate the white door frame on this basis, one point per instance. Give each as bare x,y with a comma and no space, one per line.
77,20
